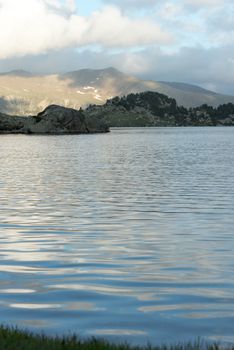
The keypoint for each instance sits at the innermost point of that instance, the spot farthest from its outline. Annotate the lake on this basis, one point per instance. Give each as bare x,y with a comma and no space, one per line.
127,235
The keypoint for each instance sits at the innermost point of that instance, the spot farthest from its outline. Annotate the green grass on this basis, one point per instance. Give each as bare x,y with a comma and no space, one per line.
15,339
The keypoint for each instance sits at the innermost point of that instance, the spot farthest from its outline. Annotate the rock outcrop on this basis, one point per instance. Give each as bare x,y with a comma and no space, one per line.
53,120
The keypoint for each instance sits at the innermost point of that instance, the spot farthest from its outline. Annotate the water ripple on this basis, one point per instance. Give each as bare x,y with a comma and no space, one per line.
127,235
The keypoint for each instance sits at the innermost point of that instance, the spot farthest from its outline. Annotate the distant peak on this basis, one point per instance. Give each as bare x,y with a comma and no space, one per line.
109,70
112,69
18,73
187,87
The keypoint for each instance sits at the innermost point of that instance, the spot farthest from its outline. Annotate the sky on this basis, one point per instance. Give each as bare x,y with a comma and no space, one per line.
189,41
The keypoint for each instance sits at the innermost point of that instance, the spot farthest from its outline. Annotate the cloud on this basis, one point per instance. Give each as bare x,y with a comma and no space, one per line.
206,67
133,3
197,3
126,4
66,7
132,35
34,26
221,24
209,4
211,68
110,28
37,26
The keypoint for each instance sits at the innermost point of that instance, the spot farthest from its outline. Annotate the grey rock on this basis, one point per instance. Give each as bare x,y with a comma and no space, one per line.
53,120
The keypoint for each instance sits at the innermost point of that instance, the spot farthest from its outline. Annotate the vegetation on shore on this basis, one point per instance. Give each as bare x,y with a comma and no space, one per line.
15,339
139,109
154,109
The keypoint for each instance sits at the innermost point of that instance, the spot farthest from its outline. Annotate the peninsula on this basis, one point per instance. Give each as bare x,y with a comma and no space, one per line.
153,109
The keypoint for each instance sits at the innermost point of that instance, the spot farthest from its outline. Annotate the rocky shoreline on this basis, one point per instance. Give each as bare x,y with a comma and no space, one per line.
134,110
53,120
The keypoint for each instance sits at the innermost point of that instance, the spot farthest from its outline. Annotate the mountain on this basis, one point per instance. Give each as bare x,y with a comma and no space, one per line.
111,82
17,73
188,95
24,93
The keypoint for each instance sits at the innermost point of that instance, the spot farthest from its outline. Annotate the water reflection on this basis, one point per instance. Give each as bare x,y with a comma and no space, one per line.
127,235
122,332
35,306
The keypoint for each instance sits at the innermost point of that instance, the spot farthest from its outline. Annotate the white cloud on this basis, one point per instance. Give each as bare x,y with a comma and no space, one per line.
65,7
133,3
110,28
36,26
31,27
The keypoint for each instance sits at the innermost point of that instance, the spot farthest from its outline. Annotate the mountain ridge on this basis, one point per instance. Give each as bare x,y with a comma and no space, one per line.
25,93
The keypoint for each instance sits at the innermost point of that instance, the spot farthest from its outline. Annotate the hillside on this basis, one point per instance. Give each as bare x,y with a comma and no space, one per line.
110,82
188,95
154,109
23,93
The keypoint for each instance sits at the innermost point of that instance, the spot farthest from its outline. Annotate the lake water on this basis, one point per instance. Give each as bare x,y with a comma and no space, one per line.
127,235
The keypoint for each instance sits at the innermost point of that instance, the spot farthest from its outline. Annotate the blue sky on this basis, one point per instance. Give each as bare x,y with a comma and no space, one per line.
175,40
85,8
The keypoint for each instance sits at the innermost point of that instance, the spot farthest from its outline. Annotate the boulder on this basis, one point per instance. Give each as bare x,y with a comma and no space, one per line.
53,120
